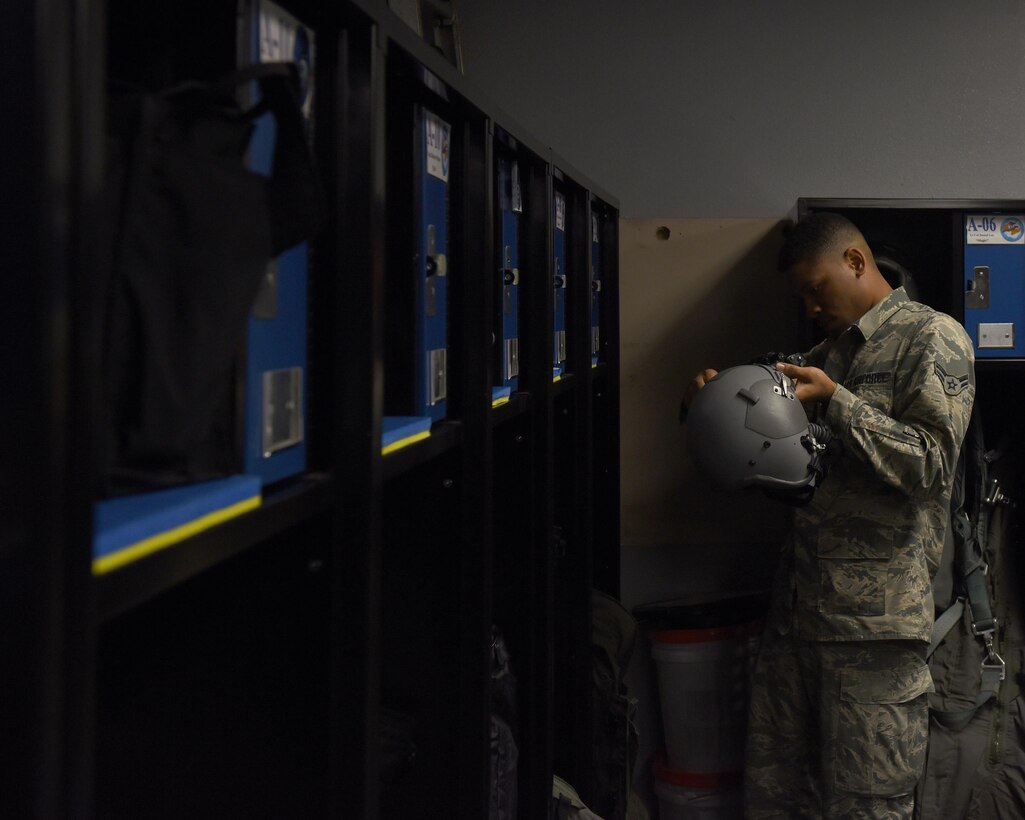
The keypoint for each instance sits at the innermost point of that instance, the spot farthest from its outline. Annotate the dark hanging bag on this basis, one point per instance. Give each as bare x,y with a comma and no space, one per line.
193,229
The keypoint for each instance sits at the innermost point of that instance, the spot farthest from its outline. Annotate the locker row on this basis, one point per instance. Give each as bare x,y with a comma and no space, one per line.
332,400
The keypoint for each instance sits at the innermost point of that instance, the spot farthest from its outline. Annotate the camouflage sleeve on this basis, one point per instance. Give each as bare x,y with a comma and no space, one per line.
915,450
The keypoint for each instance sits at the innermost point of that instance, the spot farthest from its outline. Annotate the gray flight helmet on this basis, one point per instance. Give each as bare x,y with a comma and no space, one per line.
746,428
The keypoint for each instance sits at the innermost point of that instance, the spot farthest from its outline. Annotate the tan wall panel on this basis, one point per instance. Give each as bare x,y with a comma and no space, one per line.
708,296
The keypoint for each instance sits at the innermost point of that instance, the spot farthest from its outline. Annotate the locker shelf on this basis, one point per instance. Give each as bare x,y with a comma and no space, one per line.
121,590
444,436
518,404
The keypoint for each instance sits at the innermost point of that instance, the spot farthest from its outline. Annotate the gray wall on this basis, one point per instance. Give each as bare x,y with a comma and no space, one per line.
737,107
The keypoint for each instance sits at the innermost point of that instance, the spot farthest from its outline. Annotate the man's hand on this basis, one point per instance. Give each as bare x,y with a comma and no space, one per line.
699,381
811,383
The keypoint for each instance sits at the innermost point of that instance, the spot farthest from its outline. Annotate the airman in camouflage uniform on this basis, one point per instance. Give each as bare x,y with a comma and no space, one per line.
838,721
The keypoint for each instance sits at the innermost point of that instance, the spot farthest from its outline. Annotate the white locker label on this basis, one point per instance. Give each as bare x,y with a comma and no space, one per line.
285,39
516,194
994,229
438,133
560,212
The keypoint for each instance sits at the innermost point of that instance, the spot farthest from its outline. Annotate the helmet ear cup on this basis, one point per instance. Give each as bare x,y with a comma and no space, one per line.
895,272
746,428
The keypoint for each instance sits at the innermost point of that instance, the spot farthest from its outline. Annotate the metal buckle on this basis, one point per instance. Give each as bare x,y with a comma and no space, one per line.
962,523
995,494
993,659
983,633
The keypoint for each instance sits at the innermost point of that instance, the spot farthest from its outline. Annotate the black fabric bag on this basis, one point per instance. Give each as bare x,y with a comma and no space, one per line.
192,231
504,771
974,764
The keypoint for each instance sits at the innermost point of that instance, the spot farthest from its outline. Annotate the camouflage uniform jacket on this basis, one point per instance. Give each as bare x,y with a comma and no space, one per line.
860,560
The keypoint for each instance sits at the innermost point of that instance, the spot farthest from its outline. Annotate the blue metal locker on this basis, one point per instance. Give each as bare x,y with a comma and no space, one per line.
511,206
559,282
275,373
435,137
994,276
595,289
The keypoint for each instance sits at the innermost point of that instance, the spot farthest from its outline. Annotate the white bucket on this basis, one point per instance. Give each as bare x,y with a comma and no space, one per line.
703,688
689,796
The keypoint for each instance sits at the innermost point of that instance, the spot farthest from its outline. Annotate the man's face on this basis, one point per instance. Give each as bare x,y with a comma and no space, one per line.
829,287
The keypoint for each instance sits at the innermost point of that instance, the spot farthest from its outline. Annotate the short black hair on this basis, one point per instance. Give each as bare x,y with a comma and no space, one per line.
813,237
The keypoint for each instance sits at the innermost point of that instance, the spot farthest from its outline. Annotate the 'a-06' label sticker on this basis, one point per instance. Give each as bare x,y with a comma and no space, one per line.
438,134
994,229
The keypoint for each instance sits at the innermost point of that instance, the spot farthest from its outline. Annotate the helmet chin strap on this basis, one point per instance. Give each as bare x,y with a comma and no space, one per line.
818,442
823,448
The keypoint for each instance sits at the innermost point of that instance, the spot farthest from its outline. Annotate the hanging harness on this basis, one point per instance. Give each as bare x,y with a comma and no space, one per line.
973,498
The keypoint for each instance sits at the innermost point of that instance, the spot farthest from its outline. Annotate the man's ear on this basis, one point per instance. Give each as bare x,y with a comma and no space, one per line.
855,258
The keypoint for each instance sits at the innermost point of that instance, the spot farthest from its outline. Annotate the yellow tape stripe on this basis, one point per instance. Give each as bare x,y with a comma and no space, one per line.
405,442
500,401
557,378
148,546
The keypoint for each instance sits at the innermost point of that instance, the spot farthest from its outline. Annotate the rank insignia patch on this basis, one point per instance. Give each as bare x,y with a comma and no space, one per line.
953,385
